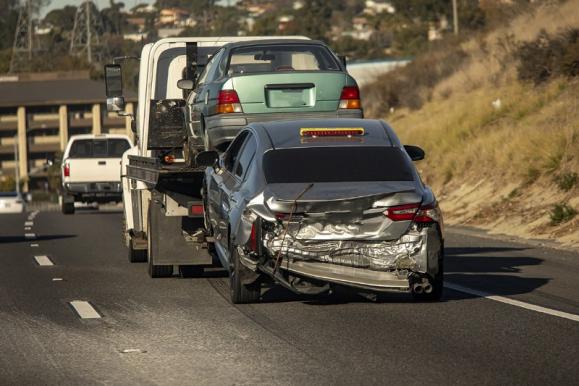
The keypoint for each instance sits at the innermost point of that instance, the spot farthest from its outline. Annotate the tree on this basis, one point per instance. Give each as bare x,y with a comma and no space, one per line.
314,19
62,19
113,18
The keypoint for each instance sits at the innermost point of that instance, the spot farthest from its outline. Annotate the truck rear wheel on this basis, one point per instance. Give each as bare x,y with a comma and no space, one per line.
240,292
136,255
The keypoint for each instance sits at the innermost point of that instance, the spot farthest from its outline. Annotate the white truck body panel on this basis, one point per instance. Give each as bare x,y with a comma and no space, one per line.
158,80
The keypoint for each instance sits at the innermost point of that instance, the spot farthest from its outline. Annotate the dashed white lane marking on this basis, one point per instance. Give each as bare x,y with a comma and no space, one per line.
34,245
84,309
43,260
27,228
512,302
30,235
57,279
28,223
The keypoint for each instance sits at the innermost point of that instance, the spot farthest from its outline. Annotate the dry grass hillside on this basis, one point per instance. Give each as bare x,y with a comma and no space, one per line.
503,153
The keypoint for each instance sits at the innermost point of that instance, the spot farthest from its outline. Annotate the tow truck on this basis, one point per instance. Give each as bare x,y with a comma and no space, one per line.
163,204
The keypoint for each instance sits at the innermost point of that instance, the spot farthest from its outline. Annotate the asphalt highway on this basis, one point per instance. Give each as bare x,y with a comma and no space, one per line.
513,320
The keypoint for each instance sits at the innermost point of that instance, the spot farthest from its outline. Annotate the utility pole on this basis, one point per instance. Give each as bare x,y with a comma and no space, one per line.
23,39
455,16
88,28
88,33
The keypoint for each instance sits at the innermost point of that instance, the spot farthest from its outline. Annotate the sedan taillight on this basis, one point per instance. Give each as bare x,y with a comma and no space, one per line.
350,98
404,212
228,102
414,212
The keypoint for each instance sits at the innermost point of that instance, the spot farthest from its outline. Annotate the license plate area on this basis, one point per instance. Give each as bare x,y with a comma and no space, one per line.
290,95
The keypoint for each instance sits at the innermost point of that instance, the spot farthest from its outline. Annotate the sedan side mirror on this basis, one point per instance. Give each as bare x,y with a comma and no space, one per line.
186,84
415,152
207,158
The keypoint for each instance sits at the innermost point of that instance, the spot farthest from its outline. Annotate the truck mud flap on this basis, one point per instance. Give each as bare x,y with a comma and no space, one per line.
170,245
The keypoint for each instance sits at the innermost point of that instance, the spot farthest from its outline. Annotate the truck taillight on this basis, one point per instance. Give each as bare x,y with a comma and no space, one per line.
350,98
196,210
228,102
67,169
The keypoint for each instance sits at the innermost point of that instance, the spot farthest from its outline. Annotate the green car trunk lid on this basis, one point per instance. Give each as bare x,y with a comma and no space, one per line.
292,91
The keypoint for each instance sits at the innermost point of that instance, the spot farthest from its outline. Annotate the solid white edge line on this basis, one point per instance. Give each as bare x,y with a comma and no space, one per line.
84,309
43,260
512,302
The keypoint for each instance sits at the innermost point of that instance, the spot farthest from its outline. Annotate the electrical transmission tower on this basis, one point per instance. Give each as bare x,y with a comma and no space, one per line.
23,39
87,31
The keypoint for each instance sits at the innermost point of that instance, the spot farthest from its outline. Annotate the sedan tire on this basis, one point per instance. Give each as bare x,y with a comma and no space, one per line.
241,293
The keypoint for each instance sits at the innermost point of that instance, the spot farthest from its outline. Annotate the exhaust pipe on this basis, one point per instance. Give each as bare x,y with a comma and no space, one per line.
417,288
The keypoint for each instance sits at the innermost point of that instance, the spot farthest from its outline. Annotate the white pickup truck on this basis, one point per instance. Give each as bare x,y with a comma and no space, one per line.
91,169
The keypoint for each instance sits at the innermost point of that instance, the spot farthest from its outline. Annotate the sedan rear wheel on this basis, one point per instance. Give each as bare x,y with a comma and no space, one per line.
241,293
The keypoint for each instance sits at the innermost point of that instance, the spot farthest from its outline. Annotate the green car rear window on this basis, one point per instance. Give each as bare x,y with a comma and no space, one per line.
280,58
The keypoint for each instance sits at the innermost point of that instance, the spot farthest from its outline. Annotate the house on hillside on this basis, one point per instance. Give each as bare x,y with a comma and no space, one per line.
361,29
373,7
173,16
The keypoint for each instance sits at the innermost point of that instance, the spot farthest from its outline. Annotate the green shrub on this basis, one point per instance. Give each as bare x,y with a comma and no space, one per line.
566,181
548,56
532,175
562,213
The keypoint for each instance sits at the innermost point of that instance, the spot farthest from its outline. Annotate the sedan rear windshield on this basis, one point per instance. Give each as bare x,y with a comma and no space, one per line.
336,164
279,58
98,148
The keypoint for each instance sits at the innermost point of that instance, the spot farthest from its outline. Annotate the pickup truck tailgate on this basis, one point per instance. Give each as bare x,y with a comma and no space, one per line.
94,170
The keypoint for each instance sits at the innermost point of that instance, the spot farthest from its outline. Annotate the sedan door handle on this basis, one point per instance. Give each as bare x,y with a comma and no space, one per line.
102,162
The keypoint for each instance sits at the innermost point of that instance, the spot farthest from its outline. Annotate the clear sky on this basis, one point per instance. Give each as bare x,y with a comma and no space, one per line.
100,3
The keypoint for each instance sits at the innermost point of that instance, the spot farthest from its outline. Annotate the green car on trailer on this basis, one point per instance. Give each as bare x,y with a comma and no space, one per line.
266,80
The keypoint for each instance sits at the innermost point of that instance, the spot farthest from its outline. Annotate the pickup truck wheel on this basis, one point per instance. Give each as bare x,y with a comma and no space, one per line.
188,271
136,255
241,293
67,207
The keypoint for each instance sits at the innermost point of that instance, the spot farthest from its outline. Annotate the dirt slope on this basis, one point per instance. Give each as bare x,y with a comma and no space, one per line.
503,154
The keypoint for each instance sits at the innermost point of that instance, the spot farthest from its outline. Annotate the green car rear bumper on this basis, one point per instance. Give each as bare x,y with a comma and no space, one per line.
222,128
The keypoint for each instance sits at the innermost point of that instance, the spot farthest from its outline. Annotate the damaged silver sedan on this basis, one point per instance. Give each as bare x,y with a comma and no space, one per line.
322,203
